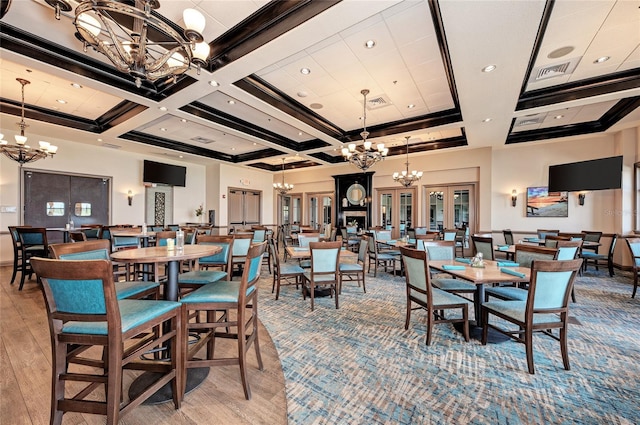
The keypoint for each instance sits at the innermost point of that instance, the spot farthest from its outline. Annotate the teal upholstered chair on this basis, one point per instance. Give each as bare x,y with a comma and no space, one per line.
212,268
546,307
634,249
324,271
33,243
283,273
597,260
83,312
98,249
218,301
241,244
350,237
525,255
484,245
377,258
445,250
543,233
304,239
434,301
17,252
355,271
92,231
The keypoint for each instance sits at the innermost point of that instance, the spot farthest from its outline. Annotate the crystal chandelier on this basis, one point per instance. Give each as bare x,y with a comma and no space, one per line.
120,32
282,188
403,177
21,152
367,157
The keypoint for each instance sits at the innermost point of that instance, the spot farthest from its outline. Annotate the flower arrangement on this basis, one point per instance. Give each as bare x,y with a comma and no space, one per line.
353,223
199,211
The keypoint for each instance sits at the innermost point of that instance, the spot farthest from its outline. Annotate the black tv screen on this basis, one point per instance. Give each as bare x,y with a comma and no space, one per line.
157,172
597,174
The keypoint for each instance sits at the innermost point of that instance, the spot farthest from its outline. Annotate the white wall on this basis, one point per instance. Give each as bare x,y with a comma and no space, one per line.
243,178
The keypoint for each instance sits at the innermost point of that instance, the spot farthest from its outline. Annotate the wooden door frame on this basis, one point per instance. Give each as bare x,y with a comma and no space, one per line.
473,203
307,202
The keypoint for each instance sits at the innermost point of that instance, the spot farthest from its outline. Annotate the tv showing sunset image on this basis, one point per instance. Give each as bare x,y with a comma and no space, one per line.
542,203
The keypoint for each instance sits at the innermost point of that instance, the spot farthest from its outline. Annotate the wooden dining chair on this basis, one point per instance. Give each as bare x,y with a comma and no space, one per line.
17,251
445,250
545,308
33,243
77,236
421,293
598,260
212,268
324,271
219,301
634,250
484,245
283,273
84,312
355,271
99,249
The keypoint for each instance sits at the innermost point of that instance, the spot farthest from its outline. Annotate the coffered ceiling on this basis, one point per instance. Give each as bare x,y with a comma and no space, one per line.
561,68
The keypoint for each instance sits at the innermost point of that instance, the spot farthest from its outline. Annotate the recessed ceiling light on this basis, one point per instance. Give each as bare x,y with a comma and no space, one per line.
370,44
61,101
558,117
76,86
163,129
231,102
489,68
411,106
181,156
601,59
486,120
214,83
233,149
255,144
305,71
163,108
183,120
99,140
299,133
316,106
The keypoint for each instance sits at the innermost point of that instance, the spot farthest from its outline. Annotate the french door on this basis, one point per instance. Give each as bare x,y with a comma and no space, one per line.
244,207
396,210
320,210
450,207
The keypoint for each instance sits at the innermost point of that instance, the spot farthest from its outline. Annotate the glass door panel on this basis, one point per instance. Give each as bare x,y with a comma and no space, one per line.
395,211
451,207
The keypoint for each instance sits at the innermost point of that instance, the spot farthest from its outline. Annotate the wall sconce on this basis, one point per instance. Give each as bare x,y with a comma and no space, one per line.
581,196
130,197
514,197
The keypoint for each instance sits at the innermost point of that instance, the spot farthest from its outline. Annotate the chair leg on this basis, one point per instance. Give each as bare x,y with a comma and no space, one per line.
528,343
635,284
15,270
429,328
465,323
563,347
407,316
485,325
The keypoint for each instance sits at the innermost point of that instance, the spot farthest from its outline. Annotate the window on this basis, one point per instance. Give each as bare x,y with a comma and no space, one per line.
83,209
55,209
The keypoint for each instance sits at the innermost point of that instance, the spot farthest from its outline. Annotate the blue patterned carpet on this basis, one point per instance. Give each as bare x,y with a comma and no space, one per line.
357,364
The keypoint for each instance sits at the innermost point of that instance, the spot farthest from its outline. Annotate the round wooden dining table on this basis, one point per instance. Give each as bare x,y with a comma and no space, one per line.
162,254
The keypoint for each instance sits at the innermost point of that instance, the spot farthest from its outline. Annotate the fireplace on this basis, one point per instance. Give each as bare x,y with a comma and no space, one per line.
358,216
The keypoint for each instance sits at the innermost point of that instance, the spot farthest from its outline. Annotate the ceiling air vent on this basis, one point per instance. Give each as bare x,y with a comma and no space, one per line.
378,102
555,70
530,120
202,140
111,146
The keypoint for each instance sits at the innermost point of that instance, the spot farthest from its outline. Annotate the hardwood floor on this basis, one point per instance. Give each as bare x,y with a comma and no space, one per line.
25,362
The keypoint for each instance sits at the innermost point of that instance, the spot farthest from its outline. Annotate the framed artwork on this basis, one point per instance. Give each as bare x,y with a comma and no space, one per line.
542,203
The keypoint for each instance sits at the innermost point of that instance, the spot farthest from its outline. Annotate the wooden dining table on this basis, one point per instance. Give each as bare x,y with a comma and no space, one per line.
301,253
480,276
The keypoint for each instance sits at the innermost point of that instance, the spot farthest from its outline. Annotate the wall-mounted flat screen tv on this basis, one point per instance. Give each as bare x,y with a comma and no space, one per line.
597,174
157,172
543,203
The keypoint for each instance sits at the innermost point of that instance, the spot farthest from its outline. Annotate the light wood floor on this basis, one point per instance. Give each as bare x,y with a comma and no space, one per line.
25,364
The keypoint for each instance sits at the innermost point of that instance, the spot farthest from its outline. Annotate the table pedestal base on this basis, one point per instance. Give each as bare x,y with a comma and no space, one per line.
195,377
475,332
